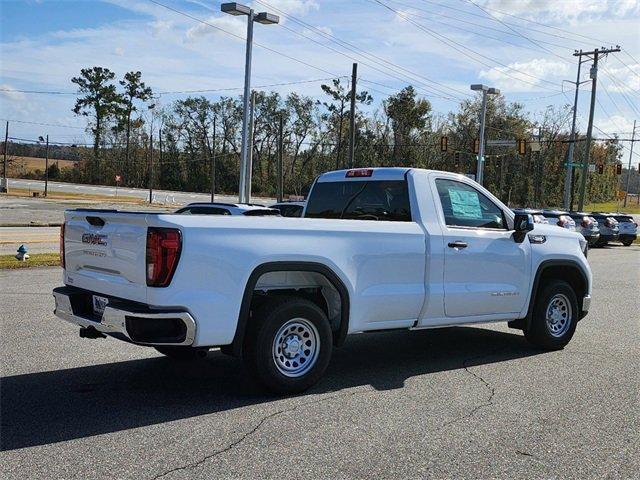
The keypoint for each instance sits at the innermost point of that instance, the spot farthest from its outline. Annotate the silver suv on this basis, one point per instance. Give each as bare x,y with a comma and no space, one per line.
587,226
218,208
627,228
609,231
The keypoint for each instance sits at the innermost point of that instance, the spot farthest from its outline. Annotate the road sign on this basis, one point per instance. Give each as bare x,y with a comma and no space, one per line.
592,168
118,178
578,165
501,143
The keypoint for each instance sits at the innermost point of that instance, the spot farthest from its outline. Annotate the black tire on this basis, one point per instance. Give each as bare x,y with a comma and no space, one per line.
540,332
627,243
275,319
182,353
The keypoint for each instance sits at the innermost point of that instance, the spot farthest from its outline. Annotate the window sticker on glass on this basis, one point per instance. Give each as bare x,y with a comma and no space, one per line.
465,204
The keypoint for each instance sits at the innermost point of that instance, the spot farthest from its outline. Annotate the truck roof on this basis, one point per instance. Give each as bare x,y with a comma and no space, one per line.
366,173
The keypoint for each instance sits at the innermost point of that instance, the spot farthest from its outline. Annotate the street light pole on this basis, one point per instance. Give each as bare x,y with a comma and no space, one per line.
234,8
483,114
246,111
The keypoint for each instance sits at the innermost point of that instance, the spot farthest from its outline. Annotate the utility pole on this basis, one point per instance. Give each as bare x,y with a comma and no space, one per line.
594,81
5,180
151,167
46,168
352,118
626,188
213,161
569,171
280,155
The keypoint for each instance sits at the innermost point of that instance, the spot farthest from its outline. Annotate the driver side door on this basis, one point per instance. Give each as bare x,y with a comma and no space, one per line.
485,271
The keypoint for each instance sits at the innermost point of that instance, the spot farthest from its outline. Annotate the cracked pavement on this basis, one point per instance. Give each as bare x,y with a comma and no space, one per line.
466,402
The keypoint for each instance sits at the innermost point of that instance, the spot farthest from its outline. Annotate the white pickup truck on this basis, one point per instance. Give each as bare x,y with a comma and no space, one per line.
377,249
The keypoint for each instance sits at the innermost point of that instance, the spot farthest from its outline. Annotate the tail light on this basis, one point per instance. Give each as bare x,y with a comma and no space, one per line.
608,222
62,227
586,222
163,252
563,221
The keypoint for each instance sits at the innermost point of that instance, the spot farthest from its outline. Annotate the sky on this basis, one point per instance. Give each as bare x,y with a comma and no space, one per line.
523,47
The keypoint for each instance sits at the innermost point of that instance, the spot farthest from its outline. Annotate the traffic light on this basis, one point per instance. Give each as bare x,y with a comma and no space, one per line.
444,143
456,160
600,168
522,147
476,146
618,169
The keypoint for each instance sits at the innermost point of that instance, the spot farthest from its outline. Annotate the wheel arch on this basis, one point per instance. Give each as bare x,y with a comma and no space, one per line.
567,270
339,334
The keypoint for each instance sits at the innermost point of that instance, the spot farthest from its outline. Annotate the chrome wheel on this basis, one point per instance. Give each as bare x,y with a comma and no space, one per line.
558,315
295,347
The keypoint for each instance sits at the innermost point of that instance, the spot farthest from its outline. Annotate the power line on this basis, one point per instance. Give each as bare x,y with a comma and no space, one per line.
210,90
463,49
240,37
566,32
40,123
376,59
460,20
517,32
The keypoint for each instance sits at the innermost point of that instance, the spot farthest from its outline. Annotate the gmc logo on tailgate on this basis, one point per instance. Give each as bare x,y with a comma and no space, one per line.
94,239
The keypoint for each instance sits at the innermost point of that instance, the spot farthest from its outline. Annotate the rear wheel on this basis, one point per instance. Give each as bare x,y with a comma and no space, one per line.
555,316
627,243
182,353
288,345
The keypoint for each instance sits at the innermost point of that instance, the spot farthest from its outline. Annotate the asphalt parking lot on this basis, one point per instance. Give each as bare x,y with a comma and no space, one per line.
465,402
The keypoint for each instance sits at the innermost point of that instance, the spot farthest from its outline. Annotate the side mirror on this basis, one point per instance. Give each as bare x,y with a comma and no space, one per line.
522,223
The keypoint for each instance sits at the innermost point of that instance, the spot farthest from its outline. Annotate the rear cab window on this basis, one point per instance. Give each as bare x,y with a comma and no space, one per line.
384,200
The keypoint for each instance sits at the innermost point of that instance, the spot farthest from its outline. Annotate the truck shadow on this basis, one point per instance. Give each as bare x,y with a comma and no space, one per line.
49,407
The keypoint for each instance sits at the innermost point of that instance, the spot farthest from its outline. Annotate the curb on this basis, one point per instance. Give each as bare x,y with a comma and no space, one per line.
32,224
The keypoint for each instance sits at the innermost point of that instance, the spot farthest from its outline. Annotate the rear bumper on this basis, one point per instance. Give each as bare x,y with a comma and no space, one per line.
129,321
591,238
609,237
627,236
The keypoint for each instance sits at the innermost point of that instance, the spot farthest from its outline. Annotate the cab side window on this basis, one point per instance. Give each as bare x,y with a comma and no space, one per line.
464,206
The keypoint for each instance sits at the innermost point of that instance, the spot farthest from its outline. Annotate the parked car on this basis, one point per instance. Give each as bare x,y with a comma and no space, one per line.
609,230
217,208
378,249
289,209
627,228
538,217
587,226
560,218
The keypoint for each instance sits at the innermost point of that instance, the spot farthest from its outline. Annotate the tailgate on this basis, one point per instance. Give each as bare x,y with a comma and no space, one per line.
105,252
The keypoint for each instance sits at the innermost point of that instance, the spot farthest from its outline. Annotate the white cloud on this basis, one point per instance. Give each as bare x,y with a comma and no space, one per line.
235,25
626,79
119,51
615,124
557,11
7,91
293,7
526,76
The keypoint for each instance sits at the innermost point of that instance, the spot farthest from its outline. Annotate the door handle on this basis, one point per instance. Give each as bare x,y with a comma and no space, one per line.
457,244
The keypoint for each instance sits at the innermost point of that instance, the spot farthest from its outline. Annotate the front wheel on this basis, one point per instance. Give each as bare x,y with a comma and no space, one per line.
555,316
288,345
627,243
